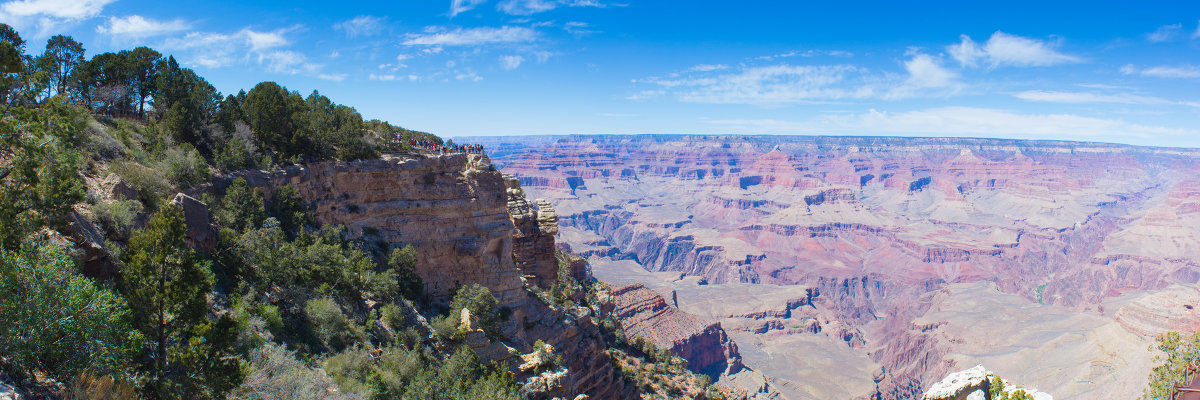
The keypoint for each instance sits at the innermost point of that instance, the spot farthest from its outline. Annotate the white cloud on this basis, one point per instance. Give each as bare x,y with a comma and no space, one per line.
247,46
388,77
509,63
332,77
137,26
925,72
768,85
1003,49
782,84
969,121
1164,71
461,6
542,56
1184,71
472,36
468,76
1089,97
362,25
966,122
66,9
578,28
529,7
707,67
287,62
48,15
1164,33
1196,34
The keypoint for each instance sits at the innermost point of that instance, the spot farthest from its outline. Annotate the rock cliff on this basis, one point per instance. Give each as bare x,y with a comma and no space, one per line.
643,313
469,225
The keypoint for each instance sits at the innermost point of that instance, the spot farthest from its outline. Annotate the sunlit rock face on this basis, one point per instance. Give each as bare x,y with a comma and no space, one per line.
874,226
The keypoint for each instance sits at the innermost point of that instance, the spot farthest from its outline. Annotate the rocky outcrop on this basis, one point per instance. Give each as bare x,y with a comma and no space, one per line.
533,242
452,209
975,384
644,313
1173,309
201,234
961,385
468,225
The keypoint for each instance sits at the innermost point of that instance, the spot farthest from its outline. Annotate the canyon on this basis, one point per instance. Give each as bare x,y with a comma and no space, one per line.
871,267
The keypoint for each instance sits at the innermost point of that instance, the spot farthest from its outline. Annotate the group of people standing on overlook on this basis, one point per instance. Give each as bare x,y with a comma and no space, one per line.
437,148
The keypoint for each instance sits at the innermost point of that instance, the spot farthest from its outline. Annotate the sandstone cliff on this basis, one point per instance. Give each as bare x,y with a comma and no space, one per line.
644,313
468,225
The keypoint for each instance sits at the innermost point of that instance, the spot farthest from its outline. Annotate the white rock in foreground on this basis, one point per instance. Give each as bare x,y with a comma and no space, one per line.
959,385
972,384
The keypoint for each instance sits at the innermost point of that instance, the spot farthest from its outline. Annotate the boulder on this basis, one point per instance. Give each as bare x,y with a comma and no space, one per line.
960,385
201,234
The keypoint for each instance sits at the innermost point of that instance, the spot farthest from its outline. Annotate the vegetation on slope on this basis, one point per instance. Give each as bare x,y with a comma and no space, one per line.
282,308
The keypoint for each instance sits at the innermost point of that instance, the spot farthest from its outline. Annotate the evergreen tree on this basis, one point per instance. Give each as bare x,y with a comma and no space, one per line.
166,287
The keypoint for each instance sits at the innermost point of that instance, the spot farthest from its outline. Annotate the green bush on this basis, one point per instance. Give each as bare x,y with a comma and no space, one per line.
331,326
1175,352
279,375
59,322
482,304
290,209
404,262
184,166
351,370
151,184
119,216
241,208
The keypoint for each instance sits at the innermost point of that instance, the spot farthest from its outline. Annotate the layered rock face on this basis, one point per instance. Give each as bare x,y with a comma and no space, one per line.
452,209
644,313
876,224
468,225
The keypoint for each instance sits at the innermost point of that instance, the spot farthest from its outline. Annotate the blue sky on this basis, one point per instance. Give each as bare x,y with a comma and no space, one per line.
1100,71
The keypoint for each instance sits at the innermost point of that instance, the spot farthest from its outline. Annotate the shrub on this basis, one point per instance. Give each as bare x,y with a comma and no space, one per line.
241,208
1176,351
351,370
482,304
289,208
59,322
330,325
404,262
151,184
278,375
184,166
89,386
118,217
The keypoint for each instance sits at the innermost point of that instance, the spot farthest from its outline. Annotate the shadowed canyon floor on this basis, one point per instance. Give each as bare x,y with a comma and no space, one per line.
850,267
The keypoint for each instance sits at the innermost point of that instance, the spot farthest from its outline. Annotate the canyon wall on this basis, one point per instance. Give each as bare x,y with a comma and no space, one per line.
468,225
874,225
643,313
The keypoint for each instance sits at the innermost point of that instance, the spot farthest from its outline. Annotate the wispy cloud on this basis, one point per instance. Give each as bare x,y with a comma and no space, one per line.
579,28
49,15
529,7
461,6
1164,33
247,46
137,26
1090,97
471,36
509,63
964,122
782,84
1003,49
362,25
1164,71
